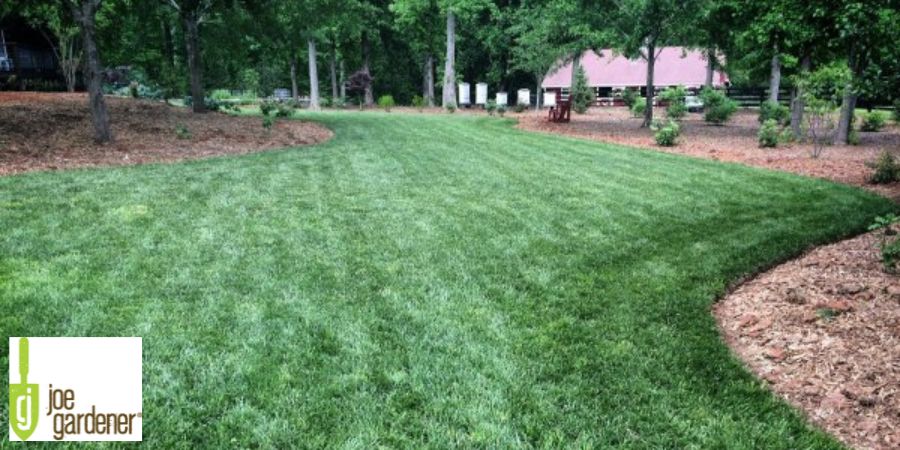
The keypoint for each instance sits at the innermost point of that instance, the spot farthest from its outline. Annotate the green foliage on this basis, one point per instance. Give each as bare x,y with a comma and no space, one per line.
182,131
267,106
666,133
638,107
133,89
889,242
676,108
501,110
268,122
220,94
823,90
250,81
768,134
519,108
285,109
897,111
873,121
491,107
582,94
887,169
451,108
770,110
386,102
630,97
717,108
418,102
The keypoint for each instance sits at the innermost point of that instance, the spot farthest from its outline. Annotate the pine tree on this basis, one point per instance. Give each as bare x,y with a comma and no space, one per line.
582,94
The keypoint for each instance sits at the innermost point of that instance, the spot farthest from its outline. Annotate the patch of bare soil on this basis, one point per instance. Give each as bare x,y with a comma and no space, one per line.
49,131
734,142
824,332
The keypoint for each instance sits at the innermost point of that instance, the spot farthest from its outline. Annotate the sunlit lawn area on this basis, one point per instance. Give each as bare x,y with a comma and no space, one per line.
421,281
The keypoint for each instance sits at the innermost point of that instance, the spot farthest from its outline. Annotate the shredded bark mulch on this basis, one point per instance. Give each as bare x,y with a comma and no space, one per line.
50,131
733,142
824,332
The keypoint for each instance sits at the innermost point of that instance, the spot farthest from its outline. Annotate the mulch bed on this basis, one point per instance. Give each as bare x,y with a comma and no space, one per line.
824,332
734,142
50,131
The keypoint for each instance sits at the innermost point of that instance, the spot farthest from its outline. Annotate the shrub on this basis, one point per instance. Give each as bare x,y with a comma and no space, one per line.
666,134
823,91
887,169
890,246
491,107
519,108
629,97
268,122
897,111
501,110
768,134
770,110
873,121
638,107
718,108
267,106
451,108
285,109
676,108
182,131
582,94
386,102
133,89
418,102
221,94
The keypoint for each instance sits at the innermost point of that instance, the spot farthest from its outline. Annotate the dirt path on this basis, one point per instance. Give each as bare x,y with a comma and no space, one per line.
50,131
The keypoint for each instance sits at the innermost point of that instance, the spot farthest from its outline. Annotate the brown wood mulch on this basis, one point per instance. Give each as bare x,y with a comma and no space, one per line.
50,131
822,330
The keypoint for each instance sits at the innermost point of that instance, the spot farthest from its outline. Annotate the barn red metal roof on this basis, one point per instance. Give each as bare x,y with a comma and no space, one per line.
674,66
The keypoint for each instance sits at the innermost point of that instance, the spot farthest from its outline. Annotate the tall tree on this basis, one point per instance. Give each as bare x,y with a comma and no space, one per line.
416,20
453,10
57,19
85,14
643,27
192,13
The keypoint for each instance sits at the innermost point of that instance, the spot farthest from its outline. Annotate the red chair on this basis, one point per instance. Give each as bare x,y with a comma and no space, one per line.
562,111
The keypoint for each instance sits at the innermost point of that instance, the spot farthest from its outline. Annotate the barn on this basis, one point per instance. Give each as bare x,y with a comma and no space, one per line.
608,72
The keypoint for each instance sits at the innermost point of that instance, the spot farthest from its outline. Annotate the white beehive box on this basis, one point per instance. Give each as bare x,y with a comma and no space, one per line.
523,97
502,99
465,94
549,98
481,94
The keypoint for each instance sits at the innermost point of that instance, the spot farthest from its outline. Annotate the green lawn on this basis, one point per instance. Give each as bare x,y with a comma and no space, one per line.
421,281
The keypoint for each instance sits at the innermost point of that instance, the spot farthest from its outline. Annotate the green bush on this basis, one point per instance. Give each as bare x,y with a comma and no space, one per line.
268,122
889,243
284,109
267,106
629,97
718,108
676,108
582,94
887,169
768,134
418,102
519,108
451,108
873,121
666,134
386,102
490,107
501,110
770,110
221,94
638,107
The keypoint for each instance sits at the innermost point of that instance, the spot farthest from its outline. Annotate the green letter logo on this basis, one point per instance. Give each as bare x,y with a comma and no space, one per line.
23,398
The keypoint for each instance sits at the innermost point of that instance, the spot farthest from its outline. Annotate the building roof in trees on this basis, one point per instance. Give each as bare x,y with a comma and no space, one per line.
674,66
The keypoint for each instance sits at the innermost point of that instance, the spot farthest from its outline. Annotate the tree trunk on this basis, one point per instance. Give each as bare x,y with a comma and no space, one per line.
369,96
428,81
848,103
195,62
539,79
85,15
313,76
576,64
295,92
798,104
710,67
332,69
775,78
449,94
343,82
651,63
